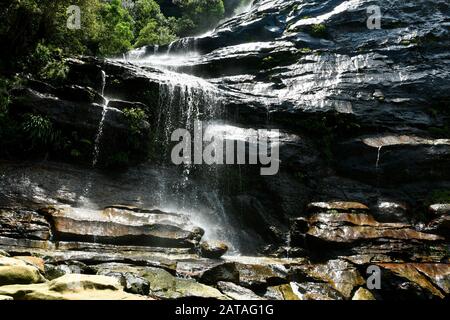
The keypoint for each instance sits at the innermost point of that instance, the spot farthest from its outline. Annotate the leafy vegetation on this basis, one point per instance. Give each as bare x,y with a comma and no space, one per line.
154,33
108,28
203,13
39,130
47,64
135,116
439,196
39,41
319,30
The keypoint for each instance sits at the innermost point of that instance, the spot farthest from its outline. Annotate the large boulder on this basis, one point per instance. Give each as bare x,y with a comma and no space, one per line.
20,274
213,249
334,229
259,276
165,286
131,282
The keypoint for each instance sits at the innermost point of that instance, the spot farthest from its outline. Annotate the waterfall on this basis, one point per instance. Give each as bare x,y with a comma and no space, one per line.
98,137
182,100
169,48
378,158
288,244
99,134
103,75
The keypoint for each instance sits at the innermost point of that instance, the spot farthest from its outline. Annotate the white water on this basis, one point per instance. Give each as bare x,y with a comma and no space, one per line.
103,74
183,99
180,52
98,137
288,244
378,158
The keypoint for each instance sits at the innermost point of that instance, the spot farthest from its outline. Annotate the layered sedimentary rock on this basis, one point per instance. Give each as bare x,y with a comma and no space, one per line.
364,164
122,226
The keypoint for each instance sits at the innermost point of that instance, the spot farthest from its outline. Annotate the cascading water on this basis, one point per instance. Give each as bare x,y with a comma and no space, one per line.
183,100
101,124
288,244
377,164
99,134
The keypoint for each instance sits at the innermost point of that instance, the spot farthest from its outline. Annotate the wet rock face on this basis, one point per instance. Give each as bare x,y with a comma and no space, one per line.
76,110
380,97
364,143
342,276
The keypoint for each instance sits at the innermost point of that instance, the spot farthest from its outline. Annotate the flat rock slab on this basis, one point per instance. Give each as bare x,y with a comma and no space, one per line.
349,227
71,287
124,227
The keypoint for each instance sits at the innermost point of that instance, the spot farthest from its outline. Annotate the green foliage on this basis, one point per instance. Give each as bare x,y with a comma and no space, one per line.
41,56
439,196
182,26
4,97
39,130
10,133
305,50
203,13
83,41
319,30
144,11
48,64
117,29
108,28
268,61
153,33
134,117
75,153
55,71
77,148
25,23
118,41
